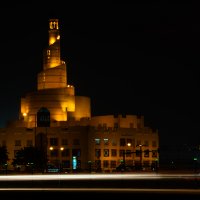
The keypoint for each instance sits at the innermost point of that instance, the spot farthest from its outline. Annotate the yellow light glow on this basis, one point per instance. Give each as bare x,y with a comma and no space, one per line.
61,148
51,148
24,114
52,40
58,37
129,144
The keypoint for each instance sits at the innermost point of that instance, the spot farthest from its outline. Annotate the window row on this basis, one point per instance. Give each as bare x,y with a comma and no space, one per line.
126,153
52,142
125,142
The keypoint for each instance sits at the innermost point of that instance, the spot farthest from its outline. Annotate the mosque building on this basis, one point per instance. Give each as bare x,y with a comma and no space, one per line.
70,136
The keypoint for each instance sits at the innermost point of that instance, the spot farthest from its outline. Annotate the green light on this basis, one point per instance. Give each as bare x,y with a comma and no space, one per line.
195,158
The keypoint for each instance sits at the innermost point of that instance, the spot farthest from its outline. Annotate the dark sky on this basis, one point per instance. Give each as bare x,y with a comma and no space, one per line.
134,58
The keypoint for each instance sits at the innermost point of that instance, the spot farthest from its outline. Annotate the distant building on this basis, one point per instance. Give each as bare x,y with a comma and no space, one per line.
74,138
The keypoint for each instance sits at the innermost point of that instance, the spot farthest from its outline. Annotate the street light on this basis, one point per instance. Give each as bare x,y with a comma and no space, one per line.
51,148
124,155
60,160
140,145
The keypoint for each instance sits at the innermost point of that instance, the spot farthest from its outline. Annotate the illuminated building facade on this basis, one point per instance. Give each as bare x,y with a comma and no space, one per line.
95,142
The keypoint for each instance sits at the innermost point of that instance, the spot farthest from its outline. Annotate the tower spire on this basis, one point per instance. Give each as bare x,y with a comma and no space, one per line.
54,74
52,53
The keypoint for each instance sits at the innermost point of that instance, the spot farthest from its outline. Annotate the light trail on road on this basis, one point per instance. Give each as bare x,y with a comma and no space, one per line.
97,176
114,190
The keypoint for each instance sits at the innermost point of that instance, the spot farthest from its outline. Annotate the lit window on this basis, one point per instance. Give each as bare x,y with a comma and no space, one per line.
97,141
105,141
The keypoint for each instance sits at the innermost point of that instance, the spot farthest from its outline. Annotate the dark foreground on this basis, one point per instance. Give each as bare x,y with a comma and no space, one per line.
94,187
49,194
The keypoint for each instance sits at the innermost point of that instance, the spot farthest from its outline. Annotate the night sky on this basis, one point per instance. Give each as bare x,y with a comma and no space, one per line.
139,59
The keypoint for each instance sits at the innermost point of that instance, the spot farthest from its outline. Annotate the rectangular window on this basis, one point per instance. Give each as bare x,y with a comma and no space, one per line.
98,153
65,153
114,142
128,153
154,153
54,153
116,125
67,164
48,52
105,141
146,164
97,164
76,152
113,164
121,152
17,142
113,152
123,115
106,153
53,141
99,126
97,141
15,152
105,163
137,153
146,153
29,143
129,162
64,141
122,142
